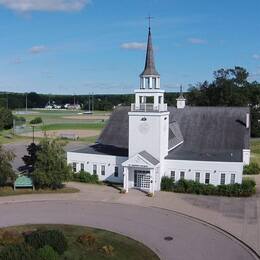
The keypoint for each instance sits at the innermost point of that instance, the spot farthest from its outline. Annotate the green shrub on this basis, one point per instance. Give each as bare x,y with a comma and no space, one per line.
36,120
166,184
18,252
247,188
86,177
53,238
251,169
47,253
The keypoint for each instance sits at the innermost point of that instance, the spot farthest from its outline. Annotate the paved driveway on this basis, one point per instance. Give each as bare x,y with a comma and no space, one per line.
191,239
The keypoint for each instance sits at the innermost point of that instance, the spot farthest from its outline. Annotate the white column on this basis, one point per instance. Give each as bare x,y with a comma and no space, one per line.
158,82
143,82
156,101
152,180
137,101
150,82
126,179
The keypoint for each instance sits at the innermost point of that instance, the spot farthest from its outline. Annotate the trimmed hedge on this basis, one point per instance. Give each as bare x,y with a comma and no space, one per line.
247,188
251,169
86,177
42,238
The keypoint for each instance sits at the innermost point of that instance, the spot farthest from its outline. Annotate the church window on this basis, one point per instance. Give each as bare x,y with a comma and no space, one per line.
173,175
222,178
94,169
182,175
103,170
116,171
233,178
197,177
207,178
74,166
82,167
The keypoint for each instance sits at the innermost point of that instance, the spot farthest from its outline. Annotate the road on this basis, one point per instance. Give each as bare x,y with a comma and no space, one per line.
191,239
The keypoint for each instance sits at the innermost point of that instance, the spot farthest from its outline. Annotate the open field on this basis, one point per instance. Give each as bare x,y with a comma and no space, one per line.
55,123
123,247
255,150
60,133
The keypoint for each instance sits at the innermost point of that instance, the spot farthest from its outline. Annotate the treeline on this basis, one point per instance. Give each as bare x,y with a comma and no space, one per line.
229,87
101,102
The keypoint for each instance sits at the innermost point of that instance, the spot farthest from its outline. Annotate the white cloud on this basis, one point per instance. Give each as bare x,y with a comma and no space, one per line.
38,49
45,5
197,41
16,60
256,56
133,46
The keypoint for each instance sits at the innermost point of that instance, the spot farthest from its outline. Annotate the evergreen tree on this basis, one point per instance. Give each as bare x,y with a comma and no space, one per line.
6,170
51,168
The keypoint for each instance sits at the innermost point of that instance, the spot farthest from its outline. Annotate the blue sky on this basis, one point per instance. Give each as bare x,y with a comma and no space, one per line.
81,46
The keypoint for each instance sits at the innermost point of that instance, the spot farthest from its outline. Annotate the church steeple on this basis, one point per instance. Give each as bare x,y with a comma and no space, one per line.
149,69
149,78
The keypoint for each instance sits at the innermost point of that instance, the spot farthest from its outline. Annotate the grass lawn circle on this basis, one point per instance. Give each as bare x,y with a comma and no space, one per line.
107,244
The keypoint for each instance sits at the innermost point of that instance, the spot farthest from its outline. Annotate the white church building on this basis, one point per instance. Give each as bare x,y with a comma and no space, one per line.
142,143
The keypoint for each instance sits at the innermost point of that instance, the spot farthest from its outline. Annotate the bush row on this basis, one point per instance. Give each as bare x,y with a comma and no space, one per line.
251,169
86,177
247,188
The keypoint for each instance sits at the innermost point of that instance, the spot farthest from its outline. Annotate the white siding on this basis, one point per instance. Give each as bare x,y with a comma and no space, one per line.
110,162
214,168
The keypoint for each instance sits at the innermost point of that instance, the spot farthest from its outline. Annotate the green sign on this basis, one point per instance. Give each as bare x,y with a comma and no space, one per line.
23,182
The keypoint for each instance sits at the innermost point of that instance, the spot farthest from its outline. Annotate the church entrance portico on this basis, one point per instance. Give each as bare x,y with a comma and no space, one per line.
142,179
139,172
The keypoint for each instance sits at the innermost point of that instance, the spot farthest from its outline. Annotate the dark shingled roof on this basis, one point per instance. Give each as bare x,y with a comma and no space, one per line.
209,133
175,135
149,157
149,68
103,150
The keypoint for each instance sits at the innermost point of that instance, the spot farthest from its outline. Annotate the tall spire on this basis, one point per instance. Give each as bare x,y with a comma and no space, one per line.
149,68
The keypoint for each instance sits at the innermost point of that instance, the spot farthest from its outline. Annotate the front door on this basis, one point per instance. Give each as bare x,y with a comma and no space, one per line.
142,179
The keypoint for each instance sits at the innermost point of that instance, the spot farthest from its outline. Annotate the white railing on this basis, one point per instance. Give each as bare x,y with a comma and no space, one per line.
147,107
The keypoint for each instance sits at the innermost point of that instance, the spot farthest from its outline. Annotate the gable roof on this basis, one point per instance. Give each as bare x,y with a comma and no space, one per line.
209,133
149,157
142,159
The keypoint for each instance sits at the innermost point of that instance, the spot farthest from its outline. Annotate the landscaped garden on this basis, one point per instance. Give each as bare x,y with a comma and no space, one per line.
53,242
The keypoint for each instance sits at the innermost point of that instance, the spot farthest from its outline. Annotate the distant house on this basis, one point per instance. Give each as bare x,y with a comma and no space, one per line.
72,106
142,143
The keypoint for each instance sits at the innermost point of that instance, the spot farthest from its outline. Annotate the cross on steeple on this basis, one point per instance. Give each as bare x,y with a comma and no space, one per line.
149,18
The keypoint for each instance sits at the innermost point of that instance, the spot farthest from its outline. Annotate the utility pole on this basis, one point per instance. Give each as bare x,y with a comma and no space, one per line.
7,100
89,102
93,103
26,102
33,132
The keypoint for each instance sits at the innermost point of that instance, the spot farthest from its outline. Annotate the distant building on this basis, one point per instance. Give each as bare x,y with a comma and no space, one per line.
142,143
72,106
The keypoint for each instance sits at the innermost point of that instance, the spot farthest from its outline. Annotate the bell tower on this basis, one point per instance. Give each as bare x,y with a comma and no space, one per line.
149,117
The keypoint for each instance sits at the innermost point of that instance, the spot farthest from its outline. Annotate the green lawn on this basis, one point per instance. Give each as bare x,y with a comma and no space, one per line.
124,248
9,191
255,150
70,126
